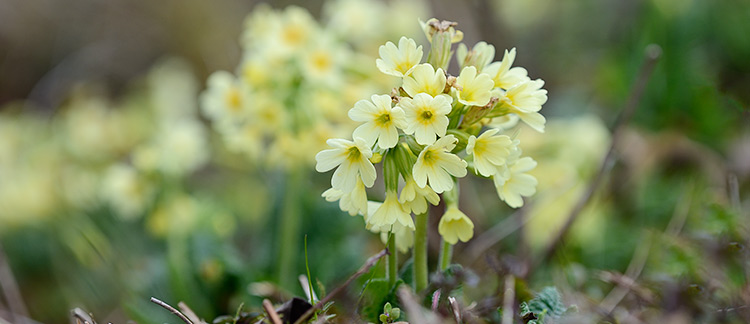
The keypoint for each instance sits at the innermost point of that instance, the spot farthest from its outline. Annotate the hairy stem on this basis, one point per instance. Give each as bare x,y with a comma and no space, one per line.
446,253
420,252
392,263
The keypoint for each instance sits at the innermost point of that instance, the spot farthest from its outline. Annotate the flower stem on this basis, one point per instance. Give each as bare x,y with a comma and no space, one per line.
446,253
420,252
289,228
392,261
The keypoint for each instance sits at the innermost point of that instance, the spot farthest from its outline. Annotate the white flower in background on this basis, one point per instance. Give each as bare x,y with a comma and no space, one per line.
525,100
399,61
380,121
352,160
178,148
126,191
515,182
436,164
503,75
473,88
490,151
426,116
225,100
424,79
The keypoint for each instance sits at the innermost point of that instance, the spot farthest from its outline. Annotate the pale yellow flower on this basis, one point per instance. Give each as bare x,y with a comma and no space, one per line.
479,56
455,225
390,212
514,182
489,150
426,116
424,79
352,160
225,99
504,122
503,75
525,99
415,198
473,88
399,61
404,237
380,121
436,164
354,202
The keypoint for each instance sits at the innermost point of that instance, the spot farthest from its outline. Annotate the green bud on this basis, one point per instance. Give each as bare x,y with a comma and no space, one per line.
440,52
390,171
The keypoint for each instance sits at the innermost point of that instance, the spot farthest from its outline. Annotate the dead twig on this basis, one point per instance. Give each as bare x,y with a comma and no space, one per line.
275,319
508,299
362,270
171,310
653,52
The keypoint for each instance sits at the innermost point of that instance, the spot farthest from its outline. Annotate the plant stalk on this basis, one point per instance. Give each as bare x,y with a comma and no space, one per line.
420,252
392,261
446,253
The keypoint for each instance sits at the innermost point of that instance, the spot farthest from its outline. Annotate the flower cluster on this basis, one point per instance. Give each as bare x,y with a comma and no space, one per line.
431,130
295,78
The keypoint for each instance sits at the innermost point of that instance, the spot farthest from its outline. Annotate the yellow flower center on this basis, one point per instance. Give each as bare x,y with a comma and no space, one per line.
384,119
233,99
321,61
293,34
354,154
426,116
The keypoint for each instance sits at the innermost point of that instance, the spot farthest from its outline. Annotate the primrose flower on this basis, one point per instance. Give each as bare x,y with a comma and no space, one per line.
489,150
380,121
525,99
424,79
390,212
473,89
455,225
415,198
404,237
515,182
479,56
352,160
353,202
399,61
437,164
225,99
503,75
426,116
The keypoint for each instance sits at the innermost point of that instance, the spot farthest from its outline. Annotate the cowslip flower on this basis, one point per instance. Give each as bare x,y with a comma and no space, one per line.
424,79
403,235
415,198
503,75
399,61
455,225
224,99
390,212
352,160
479,56
354,202
436,164
380,121
525,99
426,116
473,87
489,150
514,182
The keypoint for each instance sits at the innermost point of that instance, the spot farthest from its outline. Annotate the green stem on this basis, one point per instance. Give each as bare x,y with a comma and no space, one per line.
420,252
289,228
446,253
392,260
